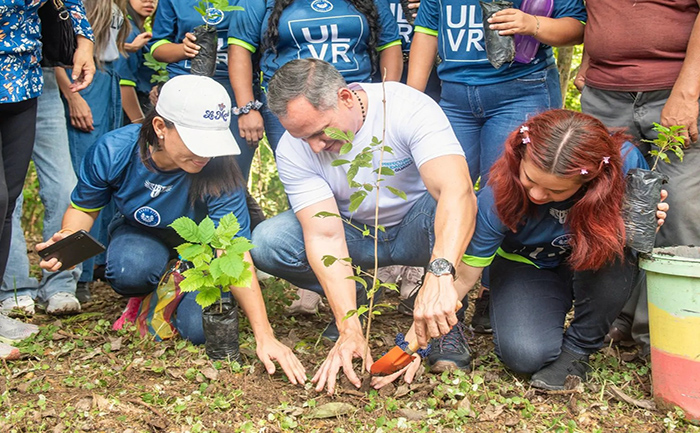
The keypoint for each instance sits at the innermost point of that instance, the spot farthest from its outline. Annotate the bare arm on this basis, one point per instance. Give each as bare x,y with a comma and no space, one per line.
172,53
78,109
557,32
73,220
580,79
83,64
391,60
130,104
421,59
240,72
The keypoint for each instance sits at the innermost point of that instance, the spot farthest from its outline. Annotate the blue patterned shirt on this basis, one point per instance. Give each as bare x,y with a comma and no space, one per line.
20,46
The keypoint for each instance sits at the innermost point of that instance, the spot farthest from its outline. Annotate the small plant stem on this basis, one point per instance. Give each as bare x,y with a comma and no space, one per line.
221,304
656,160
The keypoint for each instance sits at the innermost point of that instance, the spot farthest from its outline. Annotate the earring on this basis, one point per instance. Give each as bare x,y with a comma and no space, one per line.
161,137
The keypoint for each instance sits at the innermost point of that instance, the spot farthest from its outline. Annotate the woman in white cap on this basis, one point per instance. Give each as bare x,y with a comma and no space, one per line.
179,163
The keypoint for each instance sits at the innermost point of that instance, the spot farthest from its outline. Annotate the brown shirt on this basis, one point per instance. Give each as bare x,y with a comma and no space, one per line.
637,45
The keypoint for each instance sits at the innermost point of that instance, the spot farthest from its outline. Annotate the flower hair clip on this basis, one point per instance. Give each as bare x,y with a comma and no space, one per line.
524,129
526,137
584,171
606,160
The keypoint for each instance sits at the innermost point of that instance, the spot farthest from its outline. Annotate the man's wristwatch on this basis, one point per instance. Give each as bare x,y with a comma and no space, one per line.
440,267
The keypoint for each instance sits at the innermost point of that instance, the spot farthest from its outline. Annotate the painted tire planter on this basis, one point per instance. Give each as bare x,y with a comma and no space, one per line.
673,283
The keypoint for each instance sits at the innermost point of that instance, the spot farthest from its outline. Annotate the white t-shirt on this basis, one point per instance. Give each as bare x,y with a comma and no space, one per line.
111,51
416,129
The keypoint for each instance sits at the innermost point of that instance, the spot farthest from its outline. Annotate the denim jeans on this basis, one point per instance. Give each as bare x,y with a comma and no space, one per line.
280,251
103,96
529,308
136,259
56,181
273,128
483,116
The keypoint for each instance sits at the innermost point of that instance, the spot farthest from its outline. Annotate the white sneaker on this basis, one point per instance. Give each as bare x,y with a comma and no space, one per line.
389,274
21,305
307,303
63,303
12,330
410,277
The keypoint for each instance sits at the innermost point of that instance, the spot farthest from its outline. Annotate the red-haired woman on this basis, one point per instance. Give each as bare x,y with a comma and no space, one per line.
550,224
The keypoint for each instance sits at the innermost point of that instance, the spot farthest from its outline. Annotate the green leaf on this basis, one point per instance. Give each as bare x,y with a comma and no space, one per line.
231,265
356,199
352,172
347,147
338,162
228,227
207,296
381,228
388,149
362,309
182,247
245,279
337,134
239,245
365,232
215,269
324,214
386,171
328,260
186,228
196,251
349,314
194,279
206,230
359,280
368,187
396,192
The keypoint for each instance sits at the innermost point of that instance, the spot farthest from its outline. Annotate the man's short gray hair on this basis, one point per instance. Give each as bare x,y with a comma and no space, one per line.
316,80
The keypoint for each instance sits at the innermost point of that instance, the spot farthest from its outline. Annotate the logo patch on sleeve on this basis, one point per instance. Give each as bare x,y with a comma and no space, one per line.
147,216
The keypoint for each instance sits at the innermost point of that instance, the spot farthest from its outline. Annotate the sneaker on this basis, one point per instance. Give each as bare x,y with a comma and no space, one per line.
451,351
390,274
553,376
481,320
82,292
13,330
406,303
18,306
411,276
307,303
131,312
62,303
8,352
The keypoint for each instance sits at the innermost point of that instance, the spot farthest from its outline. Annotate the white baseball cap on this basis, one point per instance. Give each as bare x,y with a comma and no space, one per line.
200,108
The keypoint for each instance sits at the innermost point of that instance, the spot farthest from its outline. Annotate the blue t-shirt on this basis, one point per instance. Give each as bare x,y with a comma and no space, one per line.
461,45
405,29
112,169
332,30
131,69
174,18
543,240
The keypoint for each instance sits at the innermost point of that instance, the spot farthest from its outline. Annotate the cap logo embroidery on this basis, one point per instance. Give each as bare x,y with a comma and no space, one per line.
221,114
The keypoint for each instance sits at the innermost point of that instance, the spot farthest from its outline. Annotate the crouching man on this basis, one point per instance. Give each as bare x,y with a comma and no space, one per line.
430,228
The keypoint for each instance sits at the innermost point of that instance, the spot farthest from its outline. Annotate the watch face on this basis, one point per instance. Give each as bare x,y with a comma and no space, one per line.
440,267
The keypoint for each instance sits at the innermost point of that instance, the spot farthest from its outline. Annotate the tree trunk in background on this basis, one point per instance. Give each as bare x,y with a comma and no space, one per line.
564,57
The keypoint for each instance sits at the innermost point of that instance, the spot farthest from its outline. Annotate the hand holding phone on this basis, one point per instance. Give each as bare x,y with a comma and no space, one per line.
60,253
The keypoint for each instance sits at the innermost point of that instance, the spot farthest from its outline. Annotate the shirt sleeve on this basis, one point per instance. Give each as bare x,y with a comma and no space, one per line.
632,157
390,29
428,17
99,168
246,25
235,203
127,66
164,25
567,8
488,234
303,185
81,26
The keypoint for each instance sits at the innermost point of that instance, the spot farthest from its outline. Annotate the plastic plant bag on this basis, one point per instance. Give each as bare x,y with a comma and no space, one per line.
499,49
204,63
220,322
642,195
526,46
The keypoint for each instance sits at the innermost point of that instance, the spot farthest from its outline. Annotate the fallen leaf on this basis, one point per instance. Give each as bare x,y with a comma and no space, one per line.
101,403
22,387
331,410
84,404
91,355
511,421
620,395
160,352
491,412
573,382
401,391
59,428
293,411
628,356
466,405
115,344
199,361
210,373
411,414
387,390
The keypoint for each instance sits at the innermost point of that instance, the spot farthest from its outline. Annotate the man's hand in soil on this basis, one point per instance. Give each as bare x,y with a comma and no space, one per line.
270,349
434,309
351,344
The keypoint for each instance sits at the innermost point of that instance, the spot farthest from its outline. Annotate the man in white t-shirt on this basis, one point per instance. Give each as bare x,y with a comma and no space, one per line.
431,227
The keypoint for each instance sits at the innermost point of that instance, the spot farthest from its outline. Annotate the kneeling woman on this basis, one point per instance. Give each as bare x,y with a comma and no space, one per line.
179,163
551,222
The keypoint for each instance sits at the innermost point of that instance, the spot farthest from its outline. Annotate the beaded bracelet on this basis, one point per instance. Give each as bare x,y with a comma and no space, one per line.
537,29
400,341
252,105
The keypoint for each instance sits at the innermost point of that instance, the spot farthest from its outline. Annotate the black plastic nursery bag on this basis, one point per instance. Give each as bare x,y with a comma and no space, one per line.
204,63
220,322
642,195
499,49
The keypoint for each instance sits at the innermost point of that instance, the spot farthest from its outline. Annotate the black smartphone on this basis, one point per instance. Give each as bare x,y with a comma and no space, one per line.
73,249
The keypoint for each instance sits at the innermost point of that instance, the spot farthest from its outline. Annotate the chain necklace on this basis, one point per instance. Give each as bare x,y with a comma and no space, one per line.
362,106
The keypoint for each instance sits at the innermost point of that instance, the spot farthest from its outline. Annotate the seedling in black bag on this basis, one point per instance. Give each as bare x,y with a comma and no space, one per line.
212,12
644,189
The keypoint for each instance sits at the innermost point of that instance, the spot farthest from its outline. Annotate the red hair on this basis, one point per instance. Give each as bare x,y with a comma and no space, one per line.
570,145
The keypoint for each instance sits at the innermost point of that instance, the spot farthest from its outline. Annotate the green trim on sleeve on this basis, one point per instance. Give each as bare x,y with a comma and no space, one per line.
158,44
85,209
477,262
390,44
127,83
240,43
515,258
425,30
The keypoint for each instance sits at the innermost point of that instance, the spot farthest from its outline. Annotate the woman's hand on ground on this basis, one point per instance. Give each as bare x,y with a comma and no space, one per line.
251,127
513,22
270,349
189,47
408,372
51,265
80,113
351,344
662,208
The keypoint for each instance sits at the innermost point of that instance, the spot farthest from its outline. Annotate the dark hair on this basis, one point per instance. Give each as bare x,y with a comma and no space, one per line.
365,7
136,18
220,176
571,145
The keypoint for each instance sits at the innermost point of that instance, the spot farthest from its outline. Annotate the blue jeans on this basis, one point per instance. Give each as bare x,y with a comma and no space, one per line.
136,259
483,116
103,96
273,128
56,181
280,251
529,307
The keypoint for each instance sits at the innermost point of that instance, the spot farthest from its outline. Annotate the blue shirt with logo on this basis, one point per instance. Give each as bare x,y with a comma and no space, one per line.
457,24
543,240
405,29
332,30
112,169
131,69
174,18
